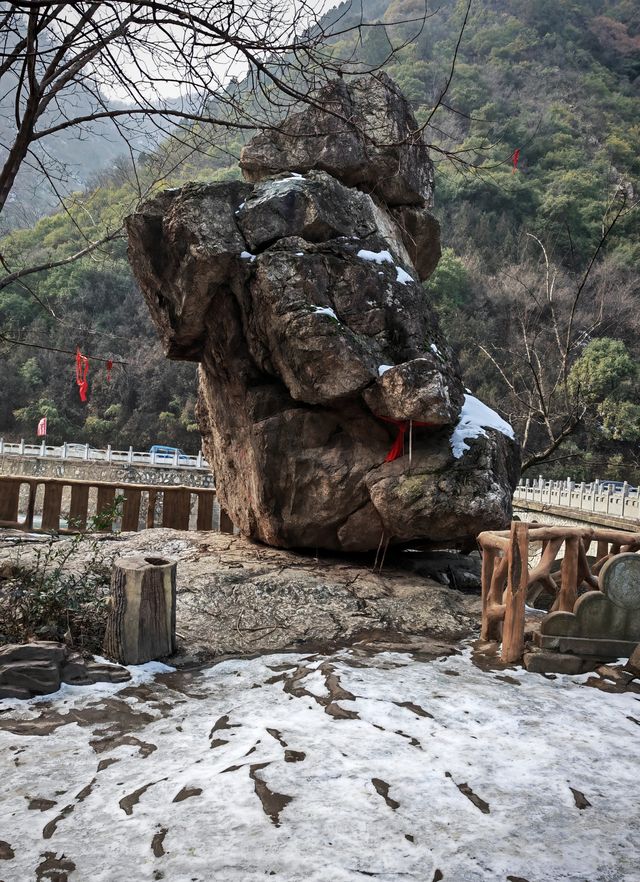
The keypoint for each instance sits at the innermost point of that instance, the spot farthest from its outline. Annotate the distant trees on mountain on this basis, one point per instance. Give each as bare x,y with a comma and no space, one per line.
556,79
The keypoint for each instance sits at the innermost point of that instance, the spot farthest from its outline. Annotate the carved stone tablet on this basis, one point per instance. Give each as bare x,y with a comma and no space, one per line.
620,580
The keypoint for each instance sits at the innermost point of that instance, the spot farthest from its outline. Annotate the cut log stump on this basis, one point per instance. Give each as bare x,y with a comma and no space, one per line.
141,625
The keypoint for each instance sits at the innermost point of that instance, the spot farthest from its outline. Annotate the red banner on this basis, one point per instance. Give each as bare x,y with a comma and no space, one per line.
82,369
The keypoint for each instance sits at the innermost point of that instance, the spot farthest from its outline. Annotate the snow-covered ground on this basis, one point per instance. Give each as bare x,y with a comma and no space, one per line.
323,769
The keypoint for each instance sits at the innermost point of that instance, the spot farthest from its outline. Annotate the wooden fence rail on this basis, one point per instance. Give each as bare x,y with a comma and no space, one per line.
44,505
508,580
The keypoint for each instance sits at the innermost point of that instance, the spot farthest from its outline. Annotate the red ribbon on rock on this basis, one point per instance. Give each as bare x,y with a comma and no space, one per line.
82,369
398,444
109,368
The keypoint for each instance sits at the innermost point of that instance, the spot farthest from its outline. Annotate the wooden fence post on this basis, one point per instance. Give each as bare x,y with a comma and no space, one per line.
226,524
516,593
568,575
141,625
488,563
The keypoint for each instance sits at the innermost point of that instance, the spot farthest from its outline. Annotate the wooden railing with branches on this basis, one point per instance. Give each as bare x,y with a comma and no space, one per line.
59,505
508,581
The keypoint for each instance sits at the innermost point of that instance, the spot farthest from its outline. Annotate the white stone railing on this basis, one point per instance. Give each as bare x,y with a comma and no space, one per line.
87,453
622,502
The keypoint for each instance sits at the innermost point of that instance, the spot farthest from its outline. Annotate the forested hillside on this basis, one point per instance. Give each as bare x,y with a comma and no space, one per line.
538,283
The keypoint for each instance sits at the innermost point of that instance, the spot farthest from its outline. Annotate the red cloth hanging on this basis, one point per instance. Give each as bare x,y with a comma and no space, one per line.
515,158
82,369
398,444
109,368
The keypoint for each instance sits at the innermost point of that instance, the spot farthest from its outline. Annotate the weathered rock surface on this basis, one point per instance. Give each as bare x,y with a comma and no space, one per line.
299,296
235,596
633,665
367,137
39,668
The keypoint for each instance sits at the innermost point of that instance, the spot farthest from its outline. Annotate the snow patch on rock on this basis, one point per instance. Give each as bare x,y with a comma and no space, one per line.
402,276
475,417
325,310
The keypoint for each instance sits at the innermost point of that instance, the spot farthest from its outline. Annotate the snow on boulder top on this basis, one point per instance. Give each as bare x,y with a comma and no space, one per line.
475,417
379,257
383,368
403,276
325,310
375,256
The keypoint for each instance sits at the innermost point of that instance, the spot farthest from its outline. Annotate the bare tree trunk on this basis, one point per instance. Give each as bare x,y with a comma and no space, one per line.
142,614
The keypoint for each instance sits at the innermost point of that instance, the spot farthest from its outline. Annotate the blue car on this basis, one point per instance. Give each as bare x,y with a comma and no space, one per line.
162,453
616,486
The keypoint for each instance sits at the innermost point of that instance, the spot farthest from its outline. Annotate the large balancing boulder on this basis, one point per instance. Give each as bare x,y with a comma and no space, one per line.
331,406
362,132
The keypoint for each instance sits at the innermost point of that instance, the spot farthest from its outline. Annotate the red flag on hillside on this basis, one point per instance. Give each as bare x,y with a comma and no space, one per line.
42,427
109,369
515,158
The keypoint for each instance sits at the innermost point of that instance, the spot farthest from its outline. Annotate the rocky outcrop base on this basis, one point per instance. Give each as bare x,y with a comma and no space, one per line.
41,668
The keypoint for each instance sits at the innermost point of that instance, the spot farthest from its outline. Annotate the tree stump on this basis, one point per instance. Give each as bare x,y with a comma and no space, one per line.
141,625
